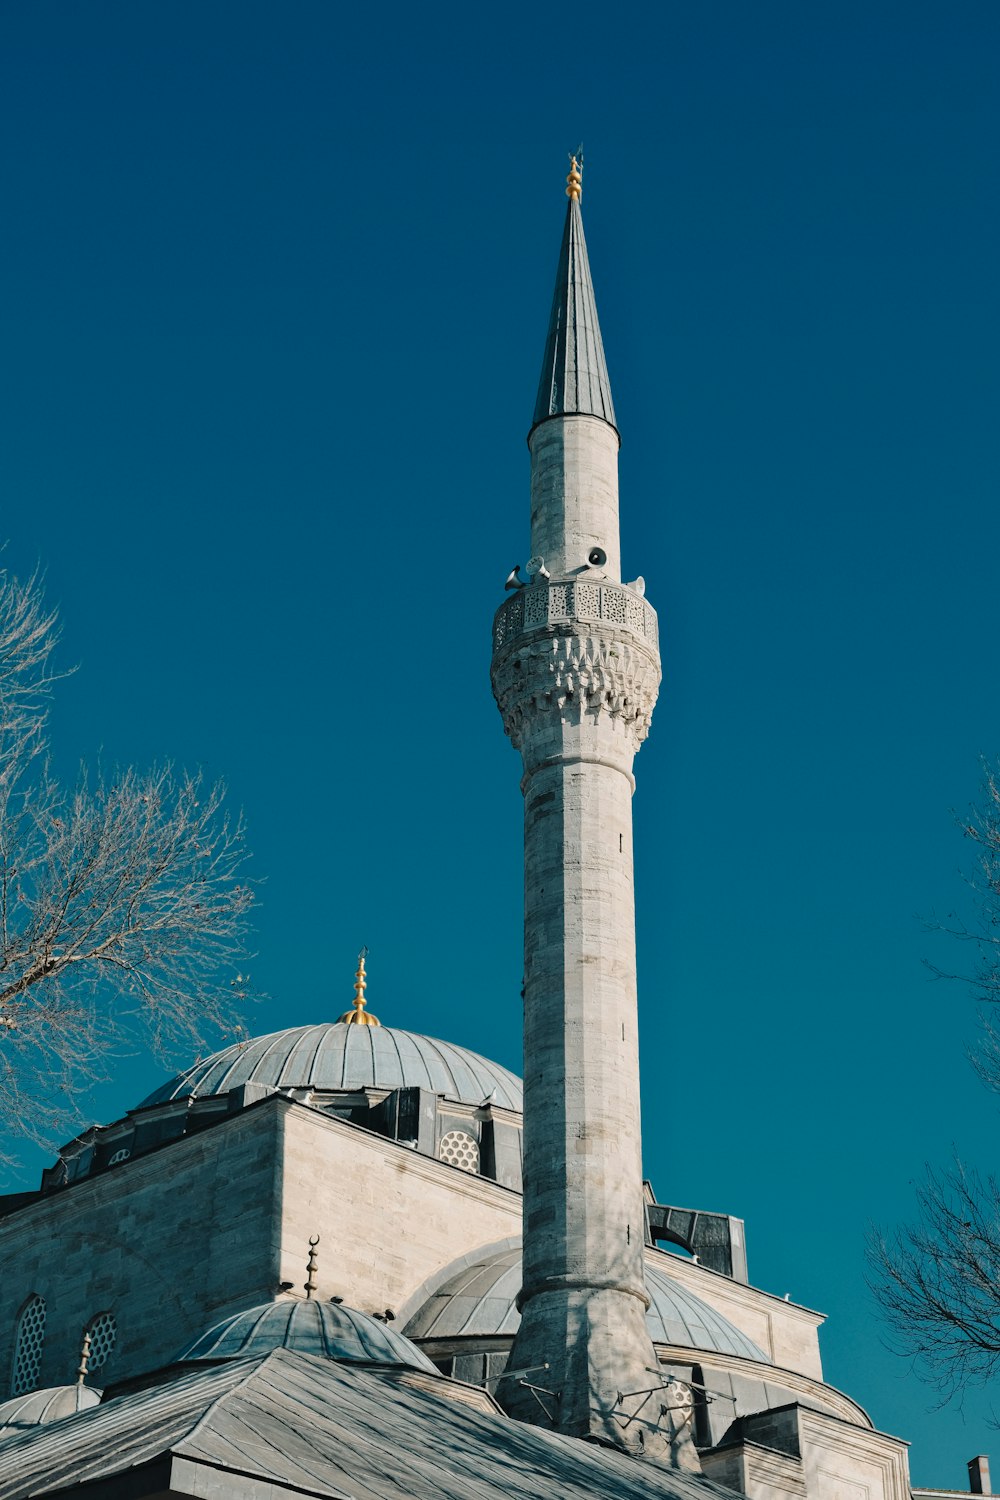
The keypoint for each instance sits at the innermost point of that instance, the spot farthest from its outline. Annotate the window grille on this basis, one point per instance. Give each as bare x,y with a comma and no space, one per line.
460,1149
103,1331
28,1343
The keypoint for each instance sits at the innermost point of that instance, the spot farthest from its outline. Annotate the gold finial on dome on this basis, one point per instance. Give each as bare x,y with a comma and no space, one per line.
574,182
359,1016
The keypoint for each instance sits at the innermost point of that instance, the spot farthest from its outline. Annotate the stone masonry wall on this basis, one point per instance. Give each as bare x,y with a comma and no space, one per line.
165,1242
387,1217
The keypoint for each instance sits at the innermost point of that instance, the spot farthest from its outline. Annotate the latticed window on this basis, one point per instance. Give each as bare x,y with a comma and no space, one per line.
28,1346
460,1149
103,1331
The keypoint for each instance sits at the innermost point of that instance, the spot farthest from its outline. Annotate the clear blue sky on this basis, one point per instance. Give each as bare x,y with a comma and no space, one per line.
274,288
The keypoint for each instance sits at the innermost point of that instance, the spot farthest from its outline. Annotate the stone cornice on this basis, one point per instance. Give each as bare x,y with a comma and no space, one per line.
842,1435
580,672
844,1408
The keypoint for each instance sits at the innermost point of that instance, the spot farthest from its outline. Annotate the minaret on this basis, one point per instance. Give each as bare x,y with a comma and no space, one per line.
576,670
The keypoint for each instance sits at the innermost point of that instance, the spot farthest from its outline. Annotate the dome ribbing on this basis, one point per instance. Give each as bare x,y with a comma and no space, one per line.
335,1056
478,1299
39,1408
326,1329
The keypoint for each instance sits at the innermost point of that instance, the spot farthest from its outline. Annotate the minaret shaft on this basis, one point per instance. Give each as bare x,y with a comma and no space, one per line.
580,1031
584,691
574,495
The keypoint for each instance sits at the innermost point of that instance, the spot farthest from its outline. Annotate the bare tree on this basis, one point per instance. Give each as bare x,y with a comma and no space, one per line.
123,903
938,1279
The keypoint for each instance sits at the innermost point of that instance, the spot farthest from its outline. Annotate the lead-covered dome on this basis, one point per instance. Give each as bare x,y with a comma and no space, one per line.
336,1056
327,1329
38,1408
475,1297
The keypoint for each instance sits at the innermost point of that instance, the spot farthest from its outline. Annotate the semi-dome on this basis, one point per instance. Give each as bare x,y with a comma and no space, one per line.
475,1297
38,1408
309,1327
338,1056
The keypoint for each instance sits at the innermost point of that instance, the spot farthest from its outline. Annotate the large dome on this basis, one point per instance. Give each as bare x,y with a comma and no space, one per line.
322,1328
339,1056
475,1298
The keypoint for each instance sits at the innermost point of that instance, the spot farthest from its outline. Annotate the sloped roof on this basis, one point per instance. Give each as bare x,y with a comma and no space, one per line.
574,371
336,1056
325,1429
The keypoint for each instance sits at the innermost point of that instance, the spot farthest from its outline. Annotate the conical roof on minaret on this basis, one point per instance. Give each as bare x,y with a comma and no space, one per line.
574,376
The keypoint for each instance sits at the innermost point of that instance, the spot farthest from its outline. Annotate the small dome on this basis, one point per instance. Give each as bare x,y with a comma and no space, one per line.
335,1056
477,1300
322,1328
38,1408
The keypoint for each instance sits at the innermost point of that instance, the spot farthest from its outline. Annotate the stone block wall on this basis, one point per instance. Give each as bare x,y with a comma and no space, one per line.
792,1451
787,1333
166,1243
387,1216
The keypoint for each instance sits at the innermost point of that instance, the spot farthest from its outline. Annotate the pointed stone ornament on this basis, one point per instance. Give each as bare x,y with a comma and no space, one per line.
84,1365
310,1284
574,370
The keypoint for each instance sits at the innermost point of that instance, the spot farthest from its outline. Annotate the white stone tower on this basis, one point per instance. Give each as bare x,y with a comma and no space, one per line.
576,670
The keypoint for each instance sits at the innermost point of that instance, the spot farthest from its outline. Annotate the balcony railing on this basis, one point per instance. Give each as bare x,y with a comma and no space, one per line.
544,604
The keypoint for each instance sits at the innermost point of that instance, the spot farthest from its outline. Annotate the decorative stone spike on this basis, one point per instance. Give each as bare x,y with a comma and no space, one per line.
82,1368
310,1285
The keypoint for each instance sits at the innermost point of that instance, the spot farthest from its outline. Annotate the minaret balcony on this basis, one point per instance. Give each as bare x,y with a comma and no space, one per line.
572,604
585,652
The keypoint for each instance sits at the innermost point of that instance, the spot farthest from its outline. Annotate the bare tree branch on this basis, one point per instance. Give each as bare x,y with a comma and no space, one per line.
938,1280
982,827
123,900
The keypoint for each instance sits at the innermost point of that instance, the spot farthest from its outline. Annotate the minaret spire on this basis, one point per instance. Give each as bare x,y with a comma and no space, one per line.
576,671
574,371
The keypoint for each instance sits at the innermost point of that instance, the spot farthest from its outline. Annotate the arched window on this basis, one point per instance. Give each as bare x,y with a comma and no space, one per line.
28,1343
103,1331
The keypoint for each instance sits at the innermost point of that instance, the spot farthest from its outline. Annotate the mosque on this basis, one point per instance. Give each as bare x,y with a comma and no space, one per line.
346,1260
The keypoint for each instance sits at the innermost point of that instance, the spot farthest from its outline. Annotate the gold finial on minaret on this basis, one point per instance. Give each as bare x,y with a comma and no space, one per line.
310,1285
574,182
359,1016
81,1374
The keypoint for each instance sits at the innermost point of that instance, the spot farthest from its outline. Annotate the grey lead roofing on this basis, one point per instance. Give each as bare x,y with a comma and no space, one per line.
320,1428
310,1327
337,1056
38,1408
574,371
477,1299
